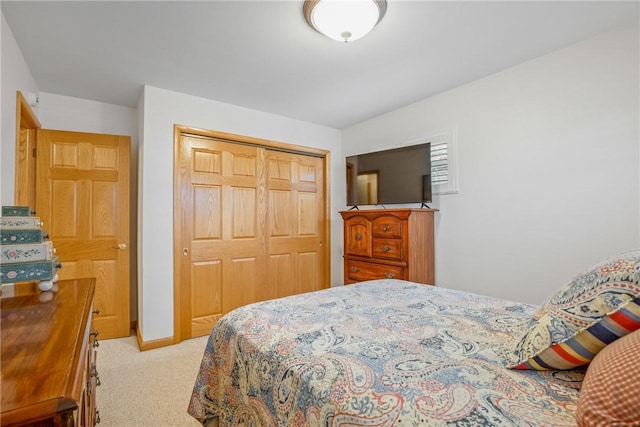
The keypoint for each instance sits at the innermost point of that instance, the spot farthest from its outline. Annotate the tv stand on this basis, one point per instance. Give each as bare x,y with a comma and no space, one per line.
424,205
354,207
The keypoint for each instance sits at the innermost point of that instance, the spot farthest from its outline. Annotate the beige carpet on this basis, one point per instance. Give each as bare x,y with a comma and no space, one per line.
150,388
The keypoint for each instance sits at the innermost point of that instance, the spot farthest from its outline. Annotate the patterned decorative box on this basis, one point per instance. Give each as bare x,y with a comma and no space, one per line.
17,211
29,271
27,253
16,236
20,222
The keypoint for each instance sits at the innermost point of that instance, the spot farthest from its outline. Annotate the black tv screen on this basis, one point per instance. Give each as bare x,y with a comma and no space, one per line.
398,175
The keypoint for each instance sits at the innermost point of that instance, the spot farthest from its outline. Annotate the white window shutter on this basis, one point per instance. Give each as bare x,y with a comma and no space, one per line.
439,163
444,169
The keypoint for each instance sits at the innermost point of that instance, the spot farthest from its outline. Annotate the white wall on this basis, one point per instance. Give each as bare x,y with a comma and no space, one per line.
15,76
83,115
548,155
162,110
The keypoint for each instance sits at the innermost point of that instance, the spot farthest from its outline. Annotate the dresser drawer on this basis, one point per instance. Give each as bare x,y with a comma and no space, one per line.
17,211
20,222
387,226
387,249
357,271
28,252
17,236
357,240
29,271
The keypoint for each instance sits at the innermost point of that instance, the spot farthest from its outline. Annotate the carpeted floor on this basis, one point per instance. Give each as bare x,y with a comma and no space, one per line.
150,388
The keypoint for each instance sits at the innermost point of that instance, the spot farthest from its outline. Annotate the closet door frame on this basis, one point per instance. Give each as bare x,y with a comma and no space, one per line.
179,132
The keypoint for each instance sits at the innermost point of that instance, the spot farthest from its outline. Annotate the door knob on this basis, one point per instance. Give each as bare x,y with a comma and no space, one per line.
120,246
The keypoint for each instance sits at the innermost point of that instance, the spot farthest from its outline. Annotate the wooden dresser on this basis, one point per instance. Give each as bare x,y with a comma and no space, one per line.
389,244
49,374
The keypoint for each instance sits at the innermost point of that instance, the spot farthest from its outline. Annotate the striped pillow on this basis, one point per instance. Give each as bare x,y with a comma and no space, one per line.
599,306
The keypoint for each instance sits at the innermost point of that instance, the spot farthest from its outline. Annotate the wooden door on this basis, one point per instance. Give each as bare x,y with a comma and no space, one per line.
82,196
221,260
250,226
27,123
295,218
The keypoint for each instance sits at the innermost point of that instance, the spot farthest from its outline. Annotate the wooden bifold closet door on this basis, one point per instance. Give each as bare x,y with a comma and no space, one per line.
250,225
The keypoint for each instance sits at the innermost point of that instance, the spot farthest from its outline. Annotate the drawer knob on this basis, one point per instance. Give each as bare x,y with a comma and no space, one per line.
389,276
354,269
358,236
385,248
386,228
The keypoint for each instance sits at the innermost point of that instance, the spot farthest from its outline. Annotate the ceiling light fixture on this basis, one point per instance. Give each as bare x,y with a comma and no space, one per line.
344,20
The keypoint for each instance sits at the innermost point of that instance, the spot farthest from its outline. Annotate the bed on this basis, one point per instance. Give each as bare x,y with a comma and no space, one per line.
377,353
381,353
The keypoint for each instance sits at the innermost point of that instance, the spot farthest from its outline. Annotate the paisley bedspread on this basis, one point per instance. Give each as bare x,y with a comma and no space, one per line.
378,353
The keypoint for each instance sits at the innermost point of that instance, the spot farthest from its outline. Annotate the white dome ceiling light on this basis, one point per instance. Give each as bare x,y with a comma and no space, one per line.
344,20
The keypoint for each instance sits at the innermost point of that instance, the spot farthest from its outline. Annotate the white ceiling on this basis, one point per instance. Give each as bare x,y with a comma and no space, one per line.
263,55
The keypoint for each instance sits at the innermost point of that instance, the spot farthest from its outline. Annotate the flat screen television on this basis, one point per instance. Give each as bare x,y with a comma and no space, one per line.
397,175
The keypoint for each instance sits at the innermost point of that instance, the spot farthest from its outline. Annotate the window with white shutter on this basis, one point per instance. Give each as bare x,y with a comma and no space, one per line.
443,162
439,163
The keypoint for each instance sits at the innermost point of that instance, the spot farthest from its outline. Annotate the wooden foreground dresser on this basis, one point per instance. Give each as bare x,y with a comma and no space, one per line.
49,375
389,244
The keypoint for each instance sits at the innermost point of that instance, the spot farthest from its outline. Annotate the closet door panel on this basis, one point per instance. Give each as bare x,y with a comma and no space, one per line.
207,212
295,215
280,276
308,224
245,214
206,305
241,282
224,256
280,223
309,274
251,226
